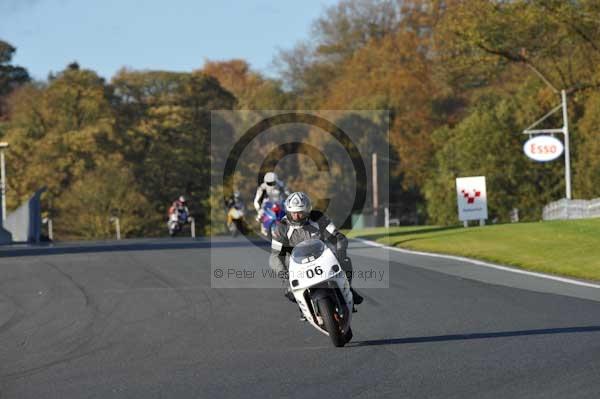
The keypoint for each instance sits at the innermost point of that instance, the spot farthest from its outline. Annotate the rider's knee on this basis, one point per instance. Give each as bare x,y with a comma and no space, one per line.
346,265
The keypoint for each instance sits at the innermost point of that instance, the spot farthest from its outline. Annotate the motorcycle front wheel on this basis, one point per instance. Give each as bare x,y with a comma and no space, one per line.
331,325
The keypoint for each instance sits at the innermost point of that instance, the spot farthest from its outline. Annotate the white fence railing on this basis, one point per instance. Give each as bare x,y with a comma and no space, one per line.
572,209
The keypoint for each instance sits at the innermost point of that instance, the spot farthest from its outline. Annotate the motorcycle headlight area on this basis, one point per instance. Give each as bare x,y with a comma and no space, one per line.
307,251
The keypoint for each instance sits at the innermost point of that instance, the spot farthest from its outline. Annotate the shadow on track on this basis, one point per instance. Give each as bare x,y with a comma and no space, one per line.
462,337
154,245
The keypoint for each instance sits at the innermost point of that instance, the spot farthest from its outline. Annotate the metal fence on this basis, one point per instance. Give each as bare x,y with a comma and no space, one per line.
572,209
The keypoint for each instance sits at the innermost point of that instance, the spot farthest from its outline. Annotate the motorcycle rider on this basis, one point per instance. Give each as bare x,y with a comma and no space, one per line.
302,223
271,189
180,205
234,200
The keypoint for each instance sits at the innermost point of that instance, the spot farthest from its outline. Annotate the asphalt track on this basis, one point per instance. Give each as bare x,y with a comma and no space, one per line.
139,319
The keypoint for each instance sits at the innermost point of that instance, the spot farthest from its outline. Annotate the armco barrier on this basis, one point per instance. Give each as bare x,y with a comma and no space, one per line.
572,209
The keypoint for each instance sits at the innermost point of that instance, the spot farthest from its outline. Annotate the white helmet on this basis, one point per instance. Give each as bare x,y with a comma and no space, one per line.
298,202
270,178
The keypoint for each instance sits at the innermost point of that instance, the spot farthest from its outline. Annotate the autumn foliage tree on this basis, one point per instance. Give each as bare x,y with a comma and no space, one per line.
459,80
432,62
124,149
164,124
11,76
251,89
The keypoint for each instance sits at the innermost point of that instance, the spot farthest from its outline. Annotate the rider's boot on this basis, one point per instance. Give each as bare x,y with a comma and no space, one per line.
356,297
289,294
346,264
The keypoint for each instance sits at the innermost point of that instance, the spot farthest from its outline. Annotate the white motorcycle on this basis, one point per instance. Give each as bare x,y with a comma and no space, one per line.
321,289
176,221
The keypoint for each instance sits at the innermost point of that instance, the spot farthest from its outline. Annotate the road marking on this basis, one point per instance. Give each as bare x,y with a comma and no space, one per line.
481,263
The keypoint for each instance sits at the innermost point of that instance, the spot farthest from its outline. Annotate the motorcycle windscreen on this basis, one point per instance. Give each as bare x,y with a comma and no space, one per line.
307,251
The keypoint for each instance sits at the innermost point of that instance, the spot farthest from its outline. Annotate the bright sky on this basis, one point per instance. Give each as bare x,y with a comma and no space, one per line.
177,35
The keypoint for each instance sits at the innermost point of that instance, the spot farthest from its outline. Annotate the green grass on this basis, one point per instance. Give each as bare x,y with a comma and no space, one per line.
566,248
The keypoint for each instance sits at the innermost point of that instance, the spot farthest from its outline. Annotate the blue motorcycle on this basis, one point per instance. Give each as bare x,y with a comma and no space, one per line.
273,212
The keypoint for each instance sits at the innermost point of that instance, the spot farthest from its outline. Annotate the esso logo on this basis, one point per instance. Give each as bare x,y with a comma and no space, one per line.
543,148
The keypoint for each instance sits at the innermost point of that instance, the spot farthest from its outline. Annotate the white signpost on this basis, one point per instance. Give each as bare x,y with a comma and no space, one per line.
471,197
564,130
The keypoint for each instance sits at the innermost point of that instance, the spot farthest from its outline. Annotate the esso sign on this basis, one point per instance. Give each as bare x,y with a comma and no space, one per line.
543,148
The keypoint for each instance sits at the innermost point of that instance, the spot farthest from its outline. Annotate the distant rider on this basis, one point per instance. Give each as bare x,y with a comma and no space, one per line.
234,200
302,223
271,189
180,205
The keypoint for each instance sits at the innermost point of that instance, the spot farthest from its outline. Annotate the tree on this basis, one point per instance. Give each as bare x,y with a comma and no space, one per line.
587,162
63,137
10,76
477,38
558,42
488,143
58,132
251,89
110,189
336,35
351,24
392,74
164,124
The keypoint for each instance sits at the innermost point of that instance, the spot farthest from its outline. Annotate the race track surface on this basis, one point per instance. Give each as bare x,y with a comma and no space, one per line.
139,319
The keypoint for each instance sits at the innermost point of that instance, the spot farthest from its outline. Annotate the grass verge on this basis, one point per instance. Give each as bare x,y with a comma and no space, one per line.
566,248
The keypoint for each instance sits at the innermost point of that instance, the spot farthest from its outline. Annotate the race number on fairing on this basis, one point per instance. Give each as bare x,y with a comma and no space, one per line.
310,273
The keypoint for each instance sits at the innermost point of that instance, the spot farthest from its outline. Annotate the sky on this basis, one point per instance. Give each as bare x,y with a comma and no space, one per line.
174,35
